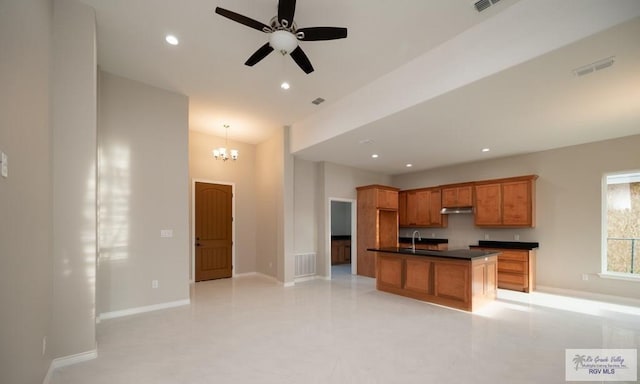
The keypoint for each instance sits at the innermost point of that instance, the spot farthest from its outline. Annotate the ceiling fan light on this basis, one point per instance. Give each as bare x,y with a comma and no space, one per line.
283,41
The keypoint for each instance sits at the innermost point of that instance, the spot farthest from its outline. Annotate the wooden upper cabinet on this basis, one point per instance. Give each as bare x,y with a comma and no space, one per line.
457,196
378,196
412,208
402,208
517,202
436,219
506,202
421,208
387,198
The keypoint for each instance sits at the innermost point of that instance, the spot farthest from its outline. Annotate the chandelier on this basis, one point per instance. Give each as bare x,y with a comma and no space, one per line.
222,153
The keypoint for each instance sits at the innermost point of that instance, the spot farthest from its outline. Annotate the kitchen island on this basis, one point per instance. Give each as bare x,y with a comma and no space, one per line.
462,279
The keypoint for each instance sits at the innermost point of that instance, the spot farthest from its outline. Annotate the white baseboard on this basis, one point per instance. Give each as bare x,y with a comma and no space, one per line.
589,296
245,274
69,360
148,308
308,278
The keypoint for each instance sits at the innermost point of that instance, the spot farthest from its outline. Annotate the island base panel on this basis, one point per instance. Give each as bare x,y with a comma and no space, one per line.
461,284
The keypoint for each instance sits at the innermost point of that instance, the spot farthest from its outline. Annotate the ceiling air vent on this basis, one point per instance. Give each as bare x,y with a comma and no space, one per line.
484,4
595,66
318,101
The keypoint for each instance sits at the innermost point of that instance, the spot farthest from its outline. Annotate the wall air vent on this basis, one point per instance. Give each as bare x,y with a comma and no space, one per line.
318,101
595,66
484,4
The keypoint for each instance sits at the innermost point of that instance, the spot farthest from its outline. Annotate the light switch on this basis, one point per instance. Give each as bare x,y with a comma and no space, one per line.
4,160
166,233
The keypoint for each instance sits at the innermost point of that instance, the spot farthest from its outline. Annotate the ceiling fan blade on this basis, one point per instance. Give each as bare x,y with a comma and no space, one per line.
322,33
302,60
286,10
249,22
260,54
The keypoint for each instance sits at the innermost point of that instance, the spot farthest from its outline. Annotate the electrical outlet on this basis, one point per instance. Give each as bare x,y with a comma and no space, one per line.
44,345
585,277
516,237
486,236
154,283
4,164
166,233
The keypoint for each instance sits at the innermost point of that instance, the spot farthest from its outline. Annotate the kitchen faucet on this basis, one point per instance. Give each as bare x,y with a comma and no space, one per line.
413,240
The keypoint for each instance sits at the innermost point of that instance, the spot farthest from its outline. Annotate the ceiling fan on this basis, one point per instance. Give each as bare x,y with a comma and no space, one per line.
284,34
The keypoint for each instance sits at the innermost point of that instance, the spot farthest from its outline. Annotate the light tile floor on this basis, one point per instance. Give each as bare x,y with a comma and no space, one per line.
252,330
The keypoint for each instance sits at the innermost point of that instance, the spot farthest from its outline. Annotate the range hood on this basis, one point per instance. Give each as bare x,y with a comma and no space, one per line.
450,210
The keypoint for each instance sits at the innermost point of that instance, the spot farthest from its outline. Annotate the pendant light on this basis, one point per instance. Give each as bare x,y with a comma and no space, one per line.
222,153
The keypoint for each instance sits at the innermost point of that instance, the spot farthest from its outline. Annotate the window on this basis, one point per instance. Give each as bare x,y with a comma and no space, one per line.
621,243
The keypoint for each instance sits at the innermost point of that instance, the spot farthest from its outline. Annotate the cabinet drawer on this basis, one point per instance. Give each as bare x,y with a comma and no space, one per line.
514,255
513,279
515,266
507,254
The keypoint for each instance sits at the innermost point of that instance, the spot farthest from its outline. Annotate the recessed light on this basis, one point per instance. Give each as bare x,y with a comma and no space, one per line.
375,155
409,165
285,85
486,149
171,39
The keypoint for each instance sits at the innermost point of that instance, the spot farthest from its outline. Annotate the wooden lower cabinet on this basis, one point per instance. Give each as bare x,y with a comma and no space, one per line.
516,268
456,283
340,252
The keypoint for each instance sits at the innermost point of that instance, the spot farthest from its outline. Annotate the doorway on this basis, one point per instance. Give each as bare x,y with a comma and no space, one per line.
342,239
213,231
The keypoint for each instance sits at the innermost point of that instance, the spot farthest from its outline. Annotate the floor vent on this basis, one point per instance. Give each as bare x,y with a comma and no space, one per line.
484,4
305,264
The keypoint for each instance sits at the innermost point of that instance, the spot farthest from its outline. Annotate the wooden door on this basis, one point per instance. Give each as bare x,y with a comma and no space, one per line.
435,205
402,209
465,196
450,197
488,204
516,197
213,232
422,208
412,208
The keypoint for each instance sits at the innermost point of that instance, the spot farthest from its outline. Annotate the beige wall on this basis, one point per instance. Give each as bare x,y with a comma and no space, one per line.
143,189
270,220
305,190
74,178
568,209
26,280
242,175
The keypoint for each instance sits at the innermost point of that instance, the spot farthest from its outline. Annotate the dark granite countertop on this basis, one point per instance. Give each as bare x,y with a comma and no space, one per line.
464,254
506,245
427,240
340,237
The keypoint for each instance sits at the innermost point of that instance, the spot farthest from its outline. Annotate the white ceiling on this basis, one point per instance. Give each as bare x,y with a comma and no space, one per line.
533,106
